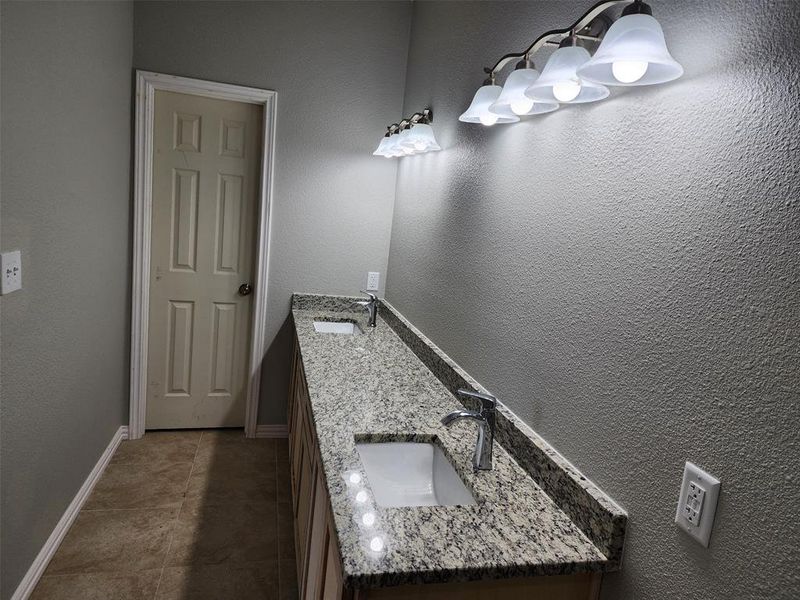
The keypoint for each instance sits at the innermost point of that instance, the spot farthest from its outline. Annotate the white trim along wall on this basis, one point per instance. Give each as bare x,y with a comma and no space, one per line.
28,583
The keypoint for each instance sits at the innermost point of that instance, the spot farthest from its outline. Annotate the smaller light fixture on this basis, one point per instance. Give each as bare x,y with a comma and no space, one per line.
633,52
368,519
362,496
513,101
413,135
559,81
384,146
354,478
478,111
420,138
403,146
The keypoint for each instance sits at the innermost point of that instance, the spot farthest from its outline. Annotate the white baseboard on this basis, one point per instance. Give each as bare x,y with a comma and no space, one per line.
31,578
272,431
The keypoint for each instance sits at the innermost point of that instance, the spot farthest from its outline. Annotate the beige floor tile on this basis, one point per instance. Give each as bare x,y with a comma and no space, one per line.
223,436
220,582
219,534
288,574
115,540
140,485
236,452
219,484
165,446
242,461
98,586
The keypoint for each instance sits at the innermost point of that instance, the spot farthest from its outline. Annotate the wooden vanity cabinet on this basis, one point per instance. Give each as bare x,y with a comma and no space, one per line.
319,568
319,565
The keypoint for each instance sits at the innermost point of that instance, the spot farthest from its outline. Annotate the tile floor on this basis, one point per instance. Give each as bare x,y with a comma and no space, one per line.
182,515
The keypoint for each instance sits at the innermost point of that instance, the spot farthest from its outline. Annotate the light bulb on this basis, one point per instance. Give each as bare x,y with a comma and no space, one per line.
368,519
566,91
628,71
355,478
488,118
361,496
376,544
522,106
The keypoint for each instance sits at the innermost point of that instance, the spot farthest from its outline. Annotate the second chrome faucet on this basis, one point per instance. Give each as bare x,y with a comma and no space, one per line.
485,417
371,306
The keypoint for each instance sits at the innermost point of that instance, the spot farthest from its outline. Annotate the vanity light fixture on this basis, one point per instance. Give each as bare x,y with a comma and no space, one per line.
632,51
513,99
410,136
560,82
486,96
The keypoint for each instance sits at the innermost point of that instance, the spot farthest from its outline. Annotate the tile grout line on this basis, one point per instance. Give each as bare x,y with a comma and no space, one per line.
177,517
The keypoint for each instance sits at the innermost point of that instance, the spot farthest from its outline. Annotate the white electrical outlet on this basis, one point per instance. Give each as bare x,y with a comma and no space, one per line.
697,503
373,281
11,272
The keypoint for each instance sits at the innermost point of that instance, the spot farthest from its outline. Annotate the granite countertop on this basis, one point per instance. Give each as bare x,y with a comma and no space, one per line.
374,387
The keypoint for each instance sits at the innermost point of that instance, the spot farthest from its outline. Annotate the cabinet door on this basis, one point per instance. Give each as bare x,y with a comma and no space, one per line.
332,589
305,499
317,545
293,385
295,450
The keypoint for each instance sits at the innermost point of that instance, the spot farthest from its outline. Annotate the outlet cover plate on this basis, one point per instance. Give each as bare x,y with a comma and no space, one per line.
373,281
10,272
697,503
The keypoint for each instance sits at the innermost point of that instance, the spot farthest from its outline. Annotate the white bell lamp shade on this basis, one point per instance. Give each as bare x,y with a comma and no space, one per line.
382,149
393,148
478,111
402,146
513,101
420,139
633,52
559,81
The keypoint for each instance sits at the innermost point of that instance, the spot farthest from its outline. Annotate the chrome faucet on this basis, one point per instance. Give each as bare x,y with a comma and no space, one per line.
371,306
482,461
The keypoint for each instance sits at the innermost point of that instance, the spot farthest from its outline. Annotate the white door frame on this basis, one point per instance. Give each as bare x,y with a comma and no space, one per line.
146,85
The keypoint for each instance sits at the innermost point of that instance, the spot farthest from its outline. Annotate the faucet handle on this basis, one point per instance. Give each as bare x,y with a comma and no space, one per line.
372,296
488,402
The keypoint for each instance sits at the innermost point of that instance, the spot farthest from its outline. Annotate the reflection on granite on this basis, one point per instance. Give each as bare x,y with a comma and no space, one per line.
392,383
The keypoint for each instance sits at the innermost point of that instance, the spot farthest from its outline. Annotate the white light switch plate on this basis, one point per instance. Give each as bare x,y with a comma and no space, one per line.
697,503
10,272
373,281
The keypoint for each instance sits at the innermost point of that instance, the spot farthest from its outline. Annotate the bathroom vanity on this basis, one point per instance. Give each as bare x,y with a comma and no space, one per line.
363,400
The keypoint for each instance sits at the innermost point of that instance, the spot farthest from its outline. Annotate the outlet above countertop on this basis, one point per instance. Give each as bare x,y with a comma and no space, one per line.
534,513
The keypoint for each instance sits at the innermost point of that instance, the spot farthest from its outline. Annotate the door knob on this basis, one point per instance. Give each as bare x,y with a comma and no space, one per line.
245,289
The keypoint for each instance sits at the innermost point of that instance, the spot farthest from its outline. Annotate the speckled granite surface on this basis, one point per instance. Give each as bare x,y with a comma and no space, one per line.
374,387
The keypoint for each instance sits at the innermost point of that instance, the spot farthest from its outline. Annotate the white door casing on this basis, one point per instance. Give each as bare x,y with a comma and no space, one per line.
205,167
147,85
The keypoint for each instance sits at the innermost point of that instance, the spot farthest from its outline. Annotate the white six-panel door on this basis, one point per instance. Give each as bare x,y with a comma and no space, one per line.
205,185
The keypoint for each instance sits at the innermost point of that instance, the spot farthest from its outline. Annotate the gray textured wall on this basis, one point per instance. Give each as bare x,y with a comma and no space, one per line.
339,69
66,134
624,275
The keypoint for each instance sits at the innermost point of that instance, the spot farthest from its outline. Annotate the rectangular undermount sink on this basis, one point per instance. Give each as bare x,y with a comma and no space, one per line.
412,474
340,327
